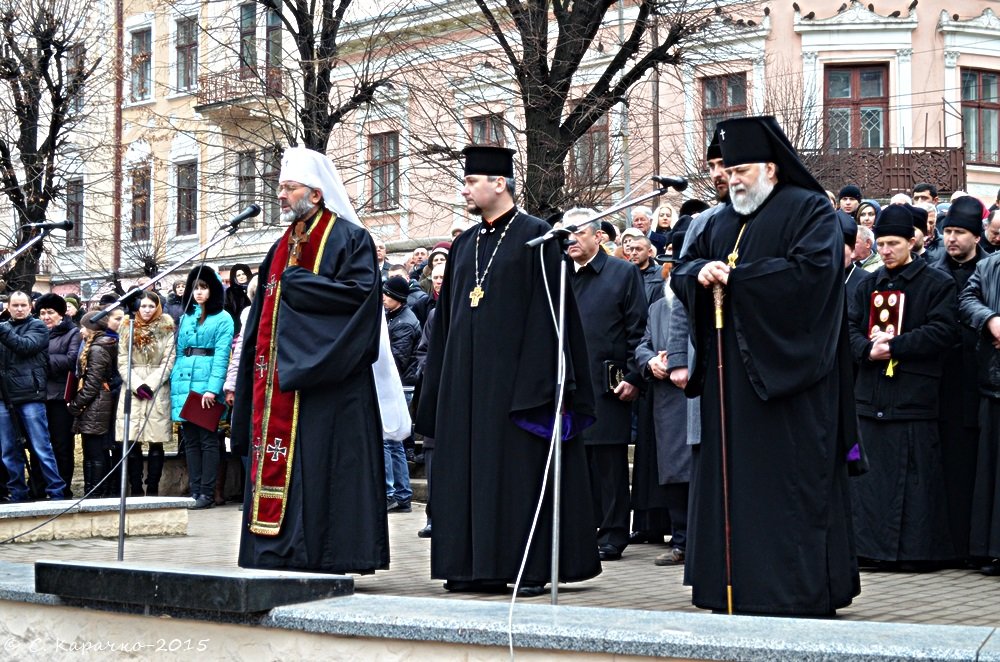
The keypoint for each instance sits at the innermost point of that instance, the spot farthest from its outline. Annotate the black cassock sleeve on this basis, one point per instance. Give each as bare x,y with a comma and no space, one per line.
328,322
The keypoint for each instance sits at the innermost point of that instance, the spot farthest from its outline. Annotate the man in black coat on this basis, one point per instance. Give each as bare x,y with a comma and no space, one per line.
613,307
900,508
979,307
24,345
959,398
777,253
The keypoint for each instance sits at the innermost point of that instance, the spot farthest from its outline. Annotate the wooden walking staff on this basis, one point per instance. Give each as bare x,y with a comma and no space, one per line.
717,294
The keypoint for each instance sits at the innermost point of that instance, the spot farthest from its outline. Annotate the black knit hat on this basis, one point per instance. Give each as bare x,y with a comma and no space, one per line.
966,213
53,301
692,207
848,226
609,229
919,215
397,288
895,220
850,191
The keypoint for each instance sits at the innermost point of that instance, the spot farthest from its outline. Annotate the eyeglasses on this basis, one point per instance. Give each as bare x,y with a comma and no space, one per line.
288,188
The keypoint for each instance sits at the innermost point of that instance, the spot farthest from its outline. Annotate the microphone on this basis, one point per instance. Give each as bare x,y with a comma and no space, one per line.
249,212
51,225
676,183
554,233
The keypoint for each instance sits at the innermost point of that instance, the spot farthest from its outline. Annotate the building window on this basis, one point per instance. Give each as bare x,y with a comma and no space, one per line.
272,52
856,100
248,40
77,71
272,166
142,65
384,150
590,155
273,39
246,179
141,202
487,130
74,212
187,198
981,116
722,98
187,53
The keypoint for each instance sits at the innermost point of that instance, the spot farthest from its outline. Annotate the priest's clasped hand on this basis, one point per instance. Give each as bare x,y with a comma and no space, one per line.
716,272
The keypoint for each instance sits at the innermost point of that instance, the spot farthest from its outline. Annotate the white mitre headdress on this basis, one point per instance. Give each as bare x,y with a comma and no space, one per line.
315,170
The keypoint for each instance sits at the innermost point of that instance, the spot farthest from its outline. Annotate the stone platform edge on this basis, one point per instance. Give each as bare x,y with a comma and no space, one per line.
601,630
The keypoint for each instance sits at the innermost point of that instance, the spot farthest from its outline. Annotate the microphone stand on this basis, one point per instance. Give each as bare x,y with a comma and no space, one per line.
24,247
562,234
624,204
126,422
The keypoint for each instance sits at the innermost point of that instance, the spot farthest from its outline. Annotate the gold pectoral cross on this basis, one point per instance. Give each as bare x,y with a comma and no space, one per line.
475,295
298,237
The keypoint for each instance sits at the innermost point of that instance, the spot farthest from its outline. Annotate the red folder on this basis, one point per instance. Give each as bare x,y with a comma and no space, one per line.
207,418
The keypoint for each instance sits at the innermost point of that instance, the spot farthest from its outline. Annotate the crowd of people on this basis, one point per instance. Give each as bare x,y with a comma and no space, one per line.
819,372
63,374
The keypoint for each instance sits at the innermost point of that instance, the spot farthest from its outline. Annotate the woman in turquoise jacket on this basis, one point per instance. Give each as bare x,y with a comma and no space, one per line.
204,338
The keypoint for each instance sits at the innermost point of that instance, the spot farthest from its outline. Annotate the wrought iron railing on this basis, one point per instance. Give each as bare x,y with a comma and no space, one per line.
881,173
238,85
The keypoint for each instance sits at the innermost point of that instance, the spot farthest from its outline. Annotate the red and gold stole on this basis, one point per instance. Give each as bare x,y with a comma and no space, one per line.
276,412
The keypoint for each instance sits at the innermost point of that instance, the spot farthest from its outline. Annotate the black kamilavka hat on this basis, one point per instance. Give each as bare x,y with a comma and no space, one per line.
488,160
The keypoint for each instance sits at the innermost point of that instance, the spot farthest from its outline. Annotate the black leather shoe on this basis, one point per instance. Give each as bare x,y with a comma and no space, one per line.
202,502
459,586
424,532
394,506
531,591
608,553
638,537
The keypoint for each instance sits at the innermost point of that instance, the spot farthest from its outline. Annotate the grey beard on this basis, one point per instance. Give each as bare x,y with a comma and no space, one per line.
297,210
754,197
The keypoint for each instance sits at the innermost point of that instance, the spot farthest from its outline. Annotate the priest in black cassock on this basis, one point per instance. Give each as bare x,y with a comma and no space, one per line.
489,398
778,253
305,391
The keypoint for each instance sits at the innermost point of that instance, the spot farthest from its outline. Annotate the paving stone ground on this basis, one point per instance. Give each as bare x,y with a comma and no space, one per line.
955,597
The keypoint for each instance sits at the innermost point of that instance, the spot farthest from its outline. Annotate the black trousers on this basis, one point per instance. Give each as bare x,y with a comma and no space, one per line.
677,506
61,436
608,465
201,450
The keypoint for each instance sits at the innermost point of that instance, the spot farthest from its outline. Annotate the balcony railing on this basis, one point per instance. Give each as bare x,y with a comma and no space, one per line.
238,85
881,173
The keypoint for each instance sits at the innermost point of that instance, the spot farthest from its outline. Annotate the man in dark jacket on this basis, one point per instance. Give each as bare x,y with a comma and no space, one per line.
979,308
404,334
642,256
959,399
613,308
900,508
24,344
64,347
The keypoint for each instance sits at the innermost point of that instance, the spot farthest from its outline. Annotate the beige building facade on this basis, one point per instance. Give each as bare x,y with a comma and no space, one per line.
882,95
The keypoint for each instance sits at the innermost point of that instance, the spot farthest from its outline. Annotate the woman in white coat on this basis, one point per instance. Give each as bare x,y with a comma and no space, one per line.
152,359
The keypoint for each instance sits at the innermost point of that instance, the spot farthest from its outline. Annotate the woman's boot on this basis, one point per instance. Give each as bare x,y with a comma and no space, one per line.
154,469
135,470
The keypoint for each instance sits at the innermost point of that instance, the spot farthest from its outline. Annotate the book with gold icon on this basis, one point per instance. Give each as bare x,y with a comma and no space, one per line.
886,313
